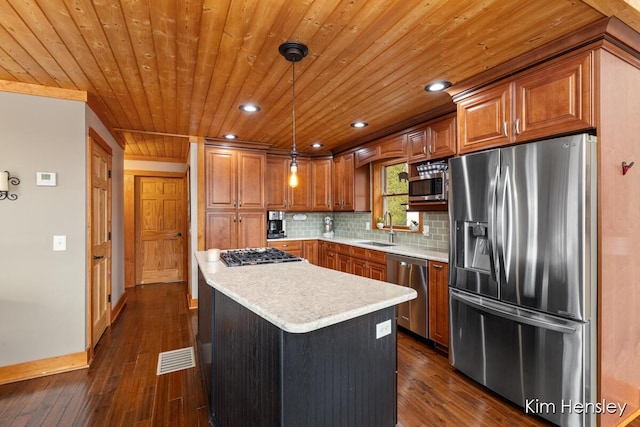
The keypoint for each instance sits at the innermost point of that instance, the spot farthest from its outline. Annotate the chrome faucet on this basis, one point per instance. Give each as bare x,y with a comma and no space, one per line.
391,232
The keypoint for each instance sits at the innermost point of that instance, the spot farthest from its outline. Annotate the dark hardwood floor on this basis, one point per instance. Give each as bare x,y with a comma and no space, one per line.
121,387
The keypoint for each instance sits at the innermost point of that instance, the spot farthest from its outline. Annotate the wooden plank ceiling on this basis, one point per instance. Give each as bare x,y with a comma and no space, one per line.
162,71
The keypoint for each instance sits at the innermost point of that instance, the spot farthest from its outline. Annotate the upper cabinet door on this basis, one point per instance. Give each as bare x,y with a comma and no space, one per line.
442,138
276,184
555,100
251,176
221,178
322,173
484,118
300,196
417,145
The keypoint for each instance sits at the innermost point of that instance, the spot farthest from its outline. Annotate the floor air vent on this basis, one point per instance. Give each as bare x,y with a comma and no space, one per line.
176,360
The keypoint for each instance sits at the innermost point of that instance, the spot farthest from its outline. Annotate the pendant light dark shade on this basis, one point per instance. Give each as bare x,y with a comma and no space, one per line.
293,52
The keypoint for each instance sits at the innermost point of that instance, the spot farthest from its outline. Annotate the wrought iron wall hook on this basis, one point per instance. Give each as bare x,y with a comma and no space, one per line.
4,183
626,167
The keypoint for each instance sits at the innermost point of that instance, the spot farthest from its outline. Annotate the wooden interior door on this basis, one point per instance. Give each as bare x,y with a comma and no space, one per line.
100,220
160,224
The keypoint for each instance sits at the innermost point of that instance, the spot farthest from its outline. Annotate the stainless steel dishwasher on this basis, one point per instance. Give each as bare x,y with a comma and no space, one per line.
412,273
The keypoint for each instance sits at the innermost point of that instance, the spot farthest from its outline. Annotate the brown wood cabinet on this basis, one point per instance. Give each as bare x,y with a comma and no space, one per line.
294,247
280,196
307,249
353,259
385,148
439,302
321,191
310,251
436,140
551,99
235,204
228,229
234,179
350,185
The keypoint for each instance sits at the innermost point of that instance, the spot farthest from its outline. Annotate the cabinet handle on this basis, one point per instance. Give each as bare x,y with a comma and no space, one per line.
430,150
240,218
285,246
234,203
504,129
439,267
424,150
517,126
240,203
234,218
98,257
328,204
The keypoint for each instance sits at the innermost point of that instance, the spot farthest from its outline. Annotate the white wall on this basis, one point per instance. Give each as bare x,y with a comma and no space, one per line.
42,292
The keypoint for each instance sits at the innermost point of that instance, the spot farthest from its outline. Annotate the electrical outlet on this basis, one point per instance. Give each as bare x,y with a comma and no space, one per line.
383,329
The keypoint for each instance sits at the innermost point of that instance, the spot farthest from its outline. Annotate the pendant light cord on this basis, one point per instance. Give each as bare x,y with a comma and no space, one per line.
293,105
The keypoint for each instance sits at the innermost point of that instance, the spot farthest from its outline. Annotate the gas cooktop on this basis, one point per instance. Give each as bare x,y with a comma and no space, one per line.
253,256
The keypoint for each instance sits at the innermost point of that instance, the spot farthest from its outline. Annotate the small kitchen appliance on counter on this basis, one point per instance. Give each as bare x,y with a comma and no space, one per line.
276,225
328,228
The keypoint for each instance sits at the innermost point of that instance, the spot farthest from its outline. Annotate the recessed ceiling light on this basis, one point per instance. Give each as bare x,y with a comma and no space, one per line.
230,136
316,145
437,86
249,108
359,124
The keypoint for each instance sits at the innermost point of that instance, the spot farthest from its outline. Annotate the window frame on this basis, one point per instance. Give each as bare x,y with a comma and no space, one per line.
377,202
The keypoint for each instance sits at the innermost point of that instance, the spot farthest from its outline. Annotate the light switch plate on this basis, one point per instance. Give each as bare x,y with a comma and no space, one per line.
46,179
59,243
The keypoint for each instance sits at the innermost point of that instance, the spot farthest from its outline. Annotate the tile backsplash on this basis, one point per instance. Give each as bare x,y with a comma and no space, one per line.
353,225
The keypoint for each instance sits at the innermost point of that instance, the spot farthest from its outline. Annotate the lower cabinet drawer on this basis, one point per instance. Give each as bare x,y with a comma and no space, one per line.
294,247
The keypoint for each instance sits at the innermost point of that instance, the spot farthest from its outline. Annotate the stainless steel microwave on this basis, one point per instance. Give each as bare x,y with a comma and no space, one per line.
429,187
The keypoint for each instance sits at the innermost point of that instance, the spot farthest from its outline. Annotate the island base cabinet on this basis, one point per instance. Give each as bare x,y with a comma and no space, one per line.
261,375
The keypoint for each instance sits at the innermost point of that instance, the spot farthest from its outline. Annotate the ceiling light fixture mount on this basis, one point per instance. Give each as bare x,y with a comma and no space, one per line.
438,86
249,108
293,52
359,125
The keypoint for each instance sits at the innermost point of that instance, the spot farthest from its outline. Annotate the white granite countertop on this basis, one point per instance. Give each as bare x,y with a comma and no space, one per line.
397,248
299,297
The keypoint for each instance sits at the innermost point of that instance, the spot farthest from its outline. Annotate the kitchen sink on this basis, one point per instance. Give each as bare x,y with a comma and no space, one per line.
377,243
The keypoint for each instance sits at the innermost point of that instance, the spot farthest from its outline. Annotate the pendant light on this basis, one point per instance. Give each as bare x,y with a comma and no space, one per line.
293,52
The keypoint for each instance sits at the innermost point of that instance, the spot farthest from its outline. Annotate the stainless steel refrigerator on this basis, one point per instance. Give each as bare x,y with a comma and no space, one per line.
522,281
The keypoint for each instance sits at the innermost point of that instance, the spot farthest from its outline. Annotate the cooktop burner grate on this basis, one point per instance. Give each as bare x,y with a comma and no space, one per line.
254,256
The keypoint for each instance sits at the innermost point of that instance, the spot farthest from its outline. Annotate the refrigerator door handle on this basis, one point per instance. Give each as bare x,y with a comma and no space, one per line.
493,253
504,221
519,318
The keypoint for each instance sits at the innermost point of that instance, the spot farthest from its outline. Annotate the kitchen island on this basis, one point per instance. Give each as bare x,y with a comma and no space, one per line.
293,344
